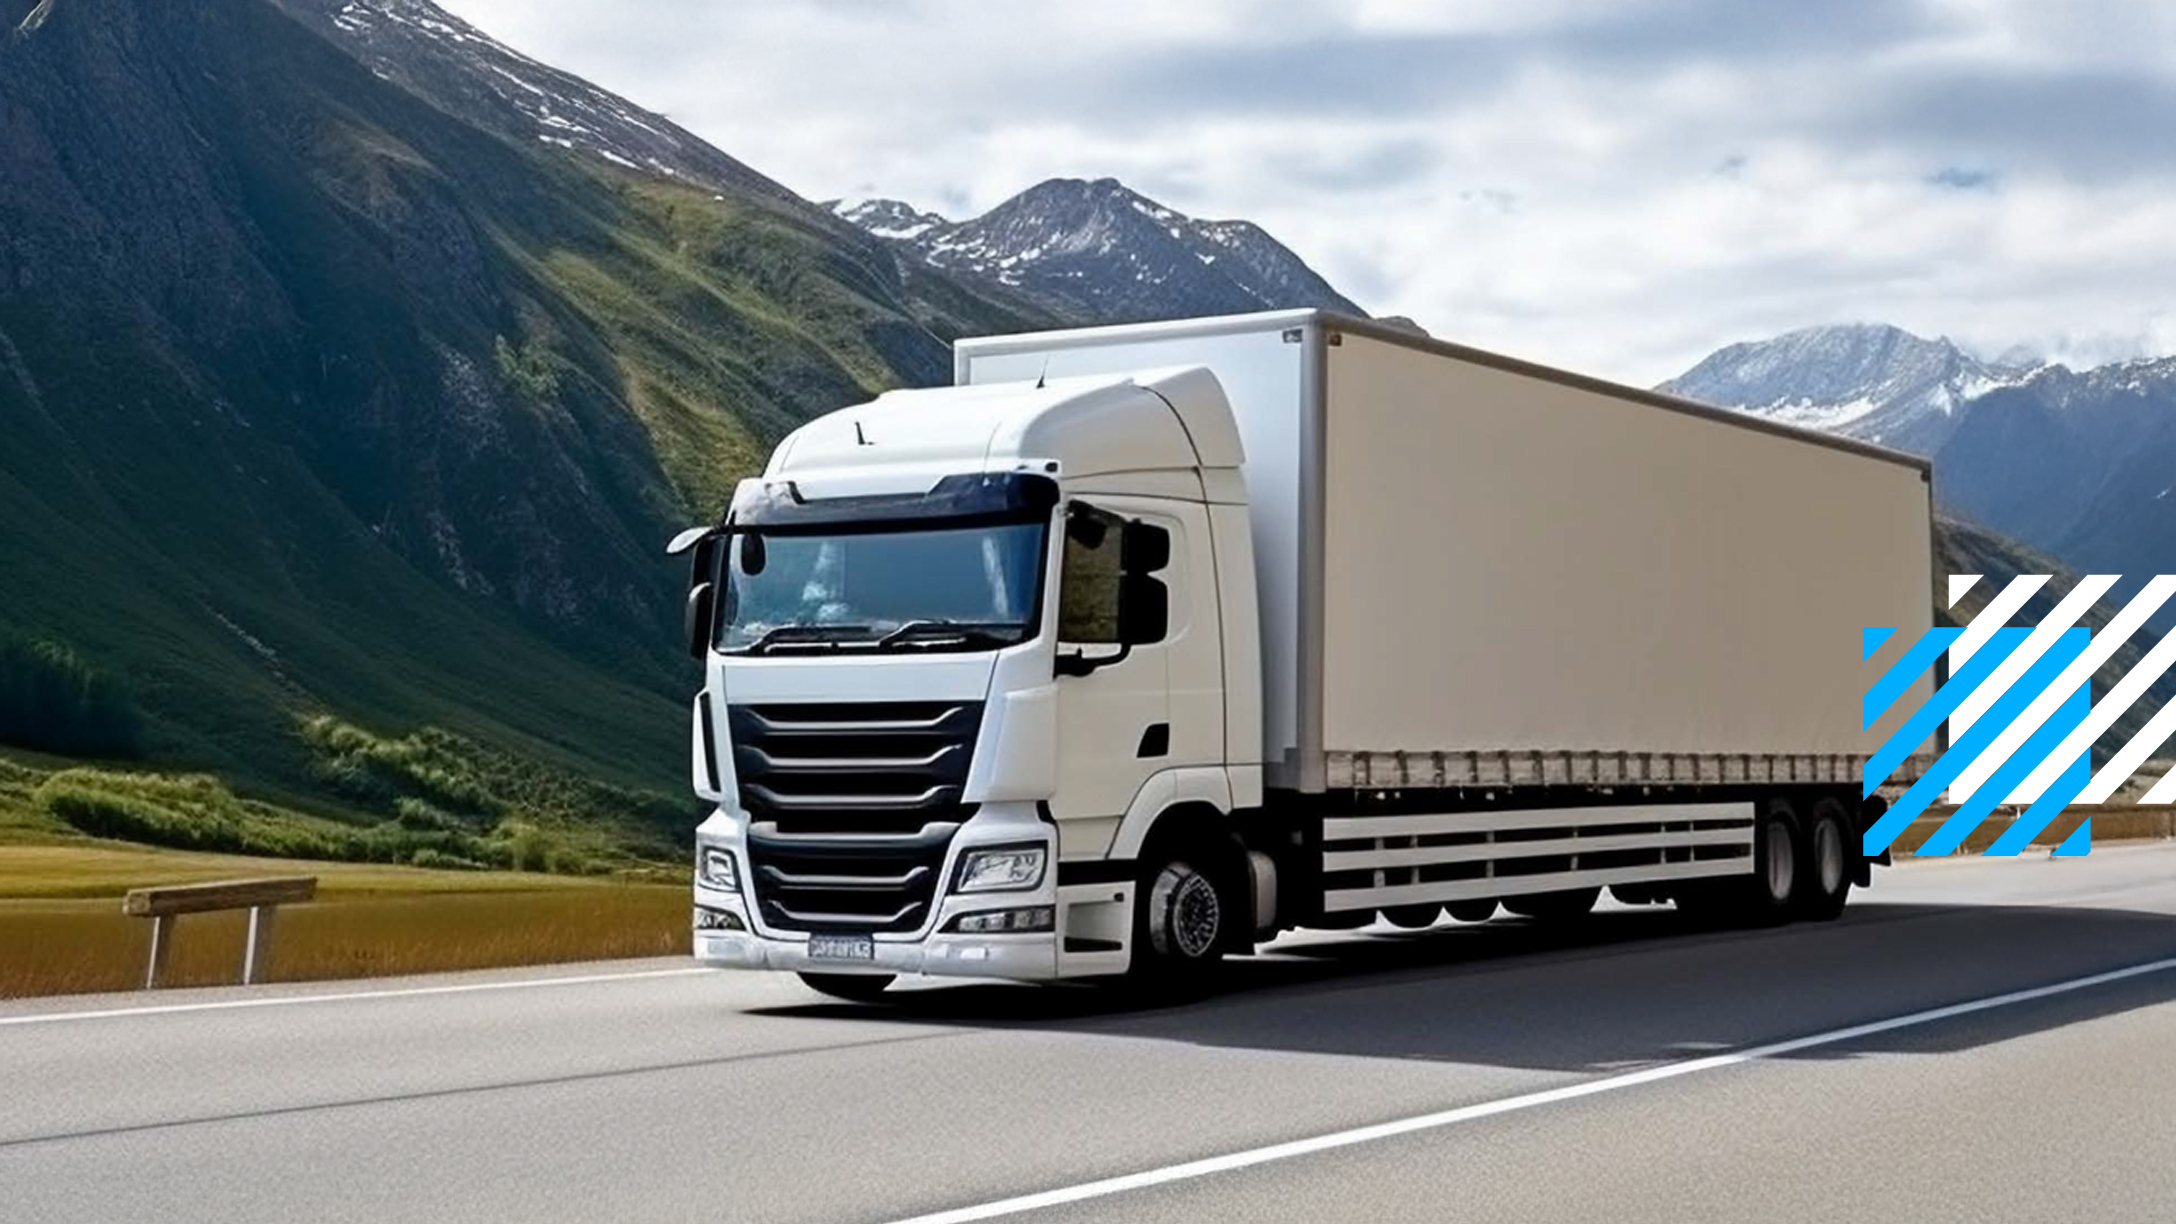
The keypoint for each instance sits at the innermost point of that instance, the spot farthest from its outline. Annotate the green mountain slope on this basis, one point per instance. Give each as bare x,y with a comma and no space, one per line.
316,398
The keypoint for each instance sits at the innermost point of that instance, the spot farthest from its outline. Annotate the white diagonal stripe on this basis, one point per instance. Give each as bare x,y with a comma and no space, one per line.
2120,698
2163,791
2130,756
2065,616
2111,707
1995,615
1959,584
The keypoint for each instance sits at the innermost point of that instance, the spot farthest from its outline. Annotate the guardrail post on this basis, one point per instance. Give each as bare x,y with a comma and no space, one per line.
258,950
165,904
162,943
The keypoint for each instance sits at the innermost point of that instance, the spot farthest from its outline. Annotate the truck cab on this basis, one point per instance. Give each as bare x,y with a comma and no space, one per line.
901,622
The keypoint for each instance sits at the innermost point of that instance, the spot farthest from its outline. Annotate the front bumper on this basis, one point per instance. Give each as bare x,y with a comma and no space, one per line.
932,952
1031,958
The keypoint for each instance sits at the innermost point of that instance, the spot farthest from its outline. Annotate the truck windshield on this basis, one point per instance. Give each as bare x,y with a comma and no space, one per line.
916,588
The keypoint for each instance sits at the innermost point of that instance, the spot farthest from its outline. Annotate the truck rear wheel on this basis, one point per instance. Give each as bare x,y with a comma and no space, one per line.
1825,877
1769,894
1554,906
853,987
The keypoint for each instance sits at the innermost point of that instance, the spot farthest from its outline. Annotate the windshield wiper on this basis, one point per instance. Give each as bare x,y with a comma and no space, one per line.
786,635
973,633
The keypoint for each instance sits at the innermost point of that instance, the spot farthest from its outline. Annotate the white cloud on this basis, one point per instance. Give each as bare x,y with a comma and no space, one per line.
1616,187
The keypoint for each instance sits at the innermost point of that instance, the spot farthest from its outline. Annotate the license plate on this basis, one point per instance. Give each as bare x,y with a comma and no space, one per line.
841,947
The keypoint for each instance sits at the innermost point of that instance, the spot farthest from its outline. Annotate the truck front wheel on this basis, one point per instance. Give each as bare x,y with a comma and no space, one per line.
1189,914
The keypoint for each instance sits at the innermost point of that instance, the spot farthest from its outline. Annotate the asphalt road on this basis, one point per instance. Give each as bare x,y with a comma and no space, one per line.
1641,1070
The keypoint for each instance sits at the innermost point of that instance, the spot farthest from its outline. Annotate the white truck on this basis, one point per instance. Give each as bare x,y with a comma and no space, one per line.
1142,644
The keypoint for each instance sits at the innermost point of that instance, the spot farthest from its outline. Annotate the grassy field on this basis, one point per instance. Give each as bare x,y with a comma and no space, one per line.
62,930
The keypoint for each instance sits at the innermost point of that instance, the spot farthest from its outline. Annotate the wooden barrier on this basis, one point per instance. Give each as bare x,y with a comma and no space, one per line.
165,904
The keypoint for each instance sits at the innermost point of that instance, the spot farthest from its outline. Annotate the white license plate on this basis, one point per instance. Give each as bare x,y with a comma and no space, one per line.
841,947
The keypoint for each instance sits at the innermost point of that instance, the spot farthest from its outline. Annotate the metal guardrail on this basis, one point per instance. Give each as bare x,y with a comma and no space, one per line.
165,905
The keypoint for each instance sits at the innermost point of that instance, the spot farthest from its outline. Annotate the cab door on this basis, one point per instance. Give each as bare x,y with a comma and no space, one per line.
1114,697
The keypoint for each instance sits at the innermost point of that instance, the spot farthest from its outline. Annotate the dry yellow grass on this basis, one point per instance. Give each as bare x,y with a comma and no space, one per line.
66,947
82,867
62,930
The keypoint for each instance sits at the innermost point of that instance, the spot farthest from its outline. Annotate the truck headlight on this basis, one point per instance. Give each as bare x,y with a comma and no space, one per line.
714,867
708,919
1000,869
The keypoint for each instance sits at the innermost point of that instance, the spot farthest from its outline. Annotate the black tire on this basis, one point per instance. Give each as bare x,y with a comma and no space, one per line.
1554,906
1188,916
1480,910
1825,873
853,987
1412,917
1769,895
1779,854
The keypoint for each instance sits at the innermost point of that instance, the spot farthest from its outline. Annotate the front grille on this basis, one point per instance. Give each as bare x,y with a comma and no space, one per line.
851,807
847,883
869,767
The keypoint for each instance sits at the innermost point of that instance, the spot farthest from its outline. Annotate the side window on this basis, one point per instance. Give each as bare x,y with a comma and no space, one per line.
1088,580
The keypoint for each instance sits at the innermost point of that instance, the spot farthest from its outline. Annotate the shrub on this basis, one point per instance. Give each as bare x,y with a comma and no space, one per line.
198,812
190,811
52,701
427,857
526,845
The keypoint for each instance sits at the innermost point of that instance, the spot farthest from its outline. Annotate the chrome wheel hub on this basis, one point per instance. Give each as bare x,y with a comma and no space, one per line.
1195,914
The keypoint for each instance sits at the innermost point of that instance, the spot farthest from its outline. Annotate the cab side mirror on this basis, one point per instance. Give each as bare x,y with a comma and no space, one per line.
1145,549
696,619
1144,610
1144,603
700,612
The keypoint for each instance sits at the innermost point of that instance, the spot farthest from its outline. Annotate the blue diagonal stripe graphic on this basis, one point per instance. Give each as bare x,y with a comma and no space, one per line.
2079,842
1907,669
1984,732
1924,720
2060,793
1996,789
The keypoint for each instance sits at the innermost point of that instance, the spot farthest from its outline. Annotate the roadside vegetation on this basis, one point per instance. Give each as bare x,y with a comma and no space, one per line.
426,799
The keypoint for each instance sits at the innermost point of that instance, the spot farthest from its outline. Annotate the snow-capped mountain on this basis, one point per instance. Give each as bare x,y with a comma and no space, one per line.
1102,252
1870,381
2080,464
467,73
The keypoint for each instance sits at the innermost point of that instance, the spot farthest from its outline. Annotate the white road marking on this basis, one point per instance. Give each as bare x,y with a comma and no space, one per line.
408,992
1449,1117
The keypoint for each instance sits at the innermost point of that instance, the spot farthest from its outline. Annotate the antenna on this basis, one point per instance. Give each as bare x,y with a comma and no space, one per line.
1040,378
860,439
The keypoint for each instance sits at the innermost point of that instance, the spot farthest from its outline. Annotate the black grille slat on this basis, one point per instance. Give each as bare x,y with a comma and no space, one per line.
874,767
847,883
852,806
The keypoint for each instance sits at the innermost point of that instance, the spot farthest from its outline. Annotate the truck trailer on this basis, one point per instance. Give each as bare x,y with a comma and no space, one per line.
1142,644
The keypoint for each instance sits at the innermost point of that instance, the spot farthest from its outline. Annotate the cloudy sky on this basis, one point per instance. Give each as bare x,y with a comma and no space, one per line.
1616,185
